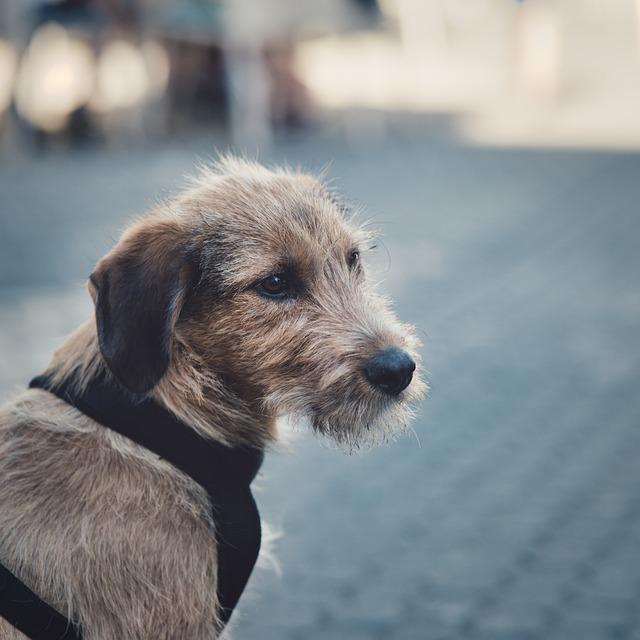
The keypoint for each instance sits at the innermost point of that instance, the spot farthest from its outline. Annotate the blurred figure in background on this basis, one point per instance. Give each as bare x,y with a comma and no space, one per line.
87,68
509,71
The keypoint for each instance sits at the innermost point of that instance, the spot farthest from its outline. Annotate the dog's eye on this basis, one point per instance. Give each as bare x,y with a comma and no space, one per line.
275,286
353,259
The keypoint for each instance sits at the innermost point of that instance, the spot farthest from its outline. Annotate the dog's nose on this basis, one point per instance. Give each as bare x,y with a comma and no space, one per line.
390,370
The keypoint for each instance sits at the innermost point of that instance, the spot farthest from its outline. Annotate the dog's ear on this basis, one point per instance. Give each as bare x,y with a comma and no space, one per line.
139,289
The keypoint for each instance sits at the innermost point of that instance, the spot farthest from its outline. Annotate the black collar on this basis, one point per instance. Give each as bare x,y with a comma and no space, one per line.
224,472
211,464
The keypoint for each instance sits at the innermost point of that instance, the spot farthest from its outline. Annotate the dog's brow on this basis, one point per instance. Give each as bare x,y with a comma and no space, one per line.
338,201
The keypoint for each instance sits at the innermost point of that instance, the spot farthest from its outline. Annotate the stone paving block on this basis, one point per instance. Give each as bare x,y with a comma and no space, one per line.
614,581
535,587
502,623
583,629
495,634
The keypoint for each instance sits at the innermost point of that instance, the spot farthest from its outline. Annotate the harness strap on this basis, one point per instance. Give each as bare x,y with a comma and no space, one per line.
224,472
25,611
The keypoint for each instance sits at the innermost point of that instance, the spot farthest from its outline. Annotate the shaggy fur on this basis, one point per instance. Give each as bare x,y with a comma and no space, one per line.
101,528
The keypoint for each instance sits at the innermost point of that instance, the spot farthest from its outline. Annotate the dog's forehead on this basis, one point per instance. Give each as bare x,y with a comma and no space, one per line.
293,205
264,220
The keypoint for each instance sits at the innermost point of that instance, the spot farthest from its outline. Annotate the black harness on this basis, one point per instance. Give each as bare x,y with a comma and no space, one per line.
225,473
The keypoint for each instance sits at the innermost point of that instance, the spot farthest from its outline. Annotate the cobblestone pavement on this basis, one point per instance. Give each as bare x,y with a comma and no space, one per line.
513,512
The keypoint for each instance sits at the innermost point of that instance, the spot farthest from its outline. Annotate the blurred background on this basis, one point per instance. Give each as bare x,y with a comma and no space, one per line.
495,144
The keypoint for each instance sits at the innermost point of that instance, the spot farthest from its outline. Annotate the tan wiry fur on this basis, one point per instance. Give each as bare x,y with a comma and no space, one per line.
121,541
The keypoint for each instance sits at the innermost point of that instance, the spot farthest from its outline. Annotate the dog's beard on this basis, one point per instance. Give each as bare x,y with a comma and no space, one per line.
351,417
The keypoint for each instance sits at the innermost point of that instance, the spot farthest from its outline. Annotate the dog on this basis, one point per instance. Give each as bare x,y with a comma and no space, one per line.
242,299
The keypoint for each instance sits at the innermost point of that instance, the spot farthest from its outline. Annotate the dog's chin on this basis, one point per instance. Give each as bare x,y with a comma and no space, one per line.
352,418
368,424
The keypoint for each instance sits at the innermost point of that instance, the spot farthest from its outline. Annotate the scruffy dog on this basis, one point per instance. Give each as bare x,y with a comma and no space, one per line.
242,299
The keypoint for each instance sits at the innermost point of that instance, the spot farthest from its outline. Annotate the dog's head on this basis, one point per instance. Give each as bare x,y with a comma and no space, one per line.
258,276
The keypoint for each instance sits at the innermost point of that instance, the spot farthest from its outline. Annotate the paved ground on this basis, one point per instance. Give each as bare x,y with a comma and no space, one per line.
514,511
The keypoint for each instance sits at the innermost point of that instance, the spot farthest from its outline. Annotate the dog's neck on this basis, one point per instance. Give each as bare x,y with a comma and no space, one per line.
195,394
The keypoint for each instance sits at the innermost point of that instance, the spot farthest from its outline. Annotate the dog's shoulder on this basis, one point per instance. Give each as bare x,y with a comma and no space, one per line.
88,512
